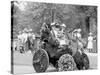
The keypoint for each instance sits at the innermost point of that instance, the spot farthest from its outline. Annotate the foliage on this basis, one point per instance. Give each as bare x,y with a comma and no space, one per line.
33,14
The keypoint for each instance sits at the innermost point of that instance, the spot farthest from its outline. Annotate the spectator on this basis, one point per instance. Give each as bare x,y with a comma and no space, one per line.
90,42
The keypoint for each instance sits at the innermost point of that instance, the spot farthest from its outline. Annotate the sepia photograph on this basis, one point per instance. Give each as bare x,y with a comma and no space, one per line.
53,37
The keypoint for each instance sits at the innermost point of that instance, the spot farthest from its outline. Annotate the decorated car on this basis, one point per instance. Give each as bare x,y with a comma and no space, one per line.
55,48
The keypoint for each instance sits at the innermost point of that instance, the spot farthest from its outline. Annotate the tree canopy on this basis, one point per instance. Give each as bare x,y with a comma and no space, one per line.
34,14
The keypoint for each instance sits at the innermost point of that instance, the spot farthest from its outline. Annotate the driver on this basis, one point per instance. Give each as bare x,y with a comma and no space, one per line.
62,29
63,39
59,33
55,29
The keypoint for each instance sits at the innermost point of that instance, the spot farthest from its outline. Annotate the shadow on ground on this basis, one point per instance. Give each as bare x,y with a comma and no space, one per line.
23,63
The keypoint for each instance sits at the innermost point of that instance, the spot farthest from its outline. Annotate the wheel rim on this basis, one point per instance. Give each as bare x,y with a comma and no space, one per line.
66,63
40,61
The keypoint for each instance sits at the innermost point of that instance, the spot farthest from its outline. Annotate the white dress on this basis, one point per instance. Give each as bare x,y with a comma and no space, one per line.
90,42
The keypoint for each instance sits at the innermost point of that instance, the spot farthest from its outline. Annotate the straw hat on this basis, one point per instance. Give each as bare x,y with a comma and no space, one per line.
63,25
52,24
20,32
78,30
25,30
90,33
30,30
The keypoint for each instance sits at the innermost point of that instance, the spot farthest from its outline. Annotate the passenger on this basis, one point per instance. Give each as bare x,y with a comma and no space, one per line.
63,27
77,39
63,39
44,32
55,29
72,40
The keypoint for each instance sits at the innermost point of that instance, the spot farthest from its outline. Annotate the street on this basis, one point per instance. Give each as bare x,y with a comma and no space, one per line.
23,63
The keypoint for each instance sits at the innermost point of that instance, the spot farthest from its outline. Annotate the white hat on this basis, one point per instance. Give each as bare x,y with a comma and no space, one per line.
74,30
20,32
52,23
90,33
30,30
63,25
25,30
78,30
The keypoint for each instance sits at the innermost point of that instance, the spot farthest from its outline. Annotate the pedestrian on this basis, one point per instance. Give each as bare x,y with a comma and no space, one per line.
90,42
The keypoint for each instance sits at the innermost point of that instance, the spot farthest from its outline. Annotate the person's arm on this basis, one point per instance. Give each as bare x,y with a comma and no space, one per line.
70,37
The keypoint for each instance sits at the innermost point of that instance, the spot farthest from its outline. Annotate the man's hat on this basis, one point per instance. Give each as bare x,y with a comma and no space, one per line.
90,33
52,24
30,30
63,25
78,30
25,30
20,32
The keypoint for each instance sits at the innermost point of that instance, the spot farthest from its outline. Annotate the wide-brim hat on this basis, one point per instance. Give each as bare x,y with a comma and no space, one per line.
25,30
20,32
63,25
52,24
30,30
79,30
74,31
90,33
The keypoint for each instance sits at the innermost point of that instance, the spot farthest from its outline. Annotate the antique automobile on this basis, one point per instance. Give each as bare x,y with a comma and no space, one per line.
55,49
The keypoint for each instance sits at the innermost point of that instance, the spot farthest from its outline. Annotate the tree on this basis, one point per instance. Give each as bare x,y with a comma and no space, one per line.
90,13
33,15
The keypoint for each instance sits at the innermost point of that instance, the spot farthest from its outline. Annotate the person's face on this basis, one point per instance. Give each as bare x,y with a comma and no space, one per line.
56,28
63,29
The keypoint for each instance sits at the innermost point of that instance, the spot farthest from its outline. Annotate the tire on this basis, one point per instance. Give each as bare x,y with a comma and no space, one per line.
85,61
40,61
81,60
78,60
66,63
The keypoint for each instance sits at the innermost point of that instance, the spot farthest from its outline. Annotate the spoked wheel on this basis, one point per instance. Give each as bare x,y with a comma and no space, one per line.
85,61
40,61
66,63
